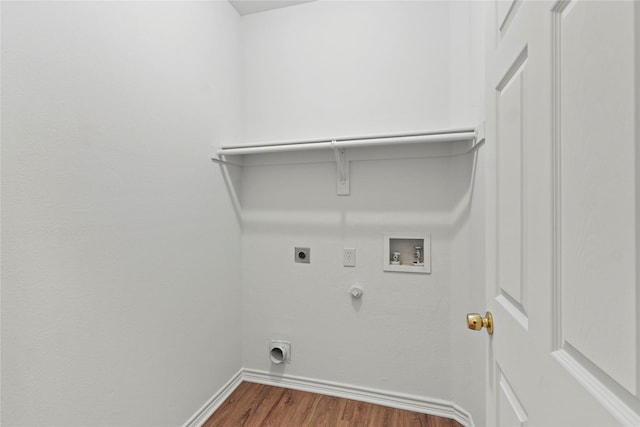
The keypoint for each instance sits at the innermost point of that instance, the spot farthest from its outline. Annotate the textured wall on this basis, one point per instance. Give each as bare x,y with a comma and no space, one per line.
468,277
468,290
342,68
120,248
397,337
120,275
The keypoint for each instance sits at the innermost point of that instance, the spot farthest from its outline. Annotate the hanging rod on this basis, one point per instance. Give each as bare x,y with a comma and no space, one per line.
349,142
338,146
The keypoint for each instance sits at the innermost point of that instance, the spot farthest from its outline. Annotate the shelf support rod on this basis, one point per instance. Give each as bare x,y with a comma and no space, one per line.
342,166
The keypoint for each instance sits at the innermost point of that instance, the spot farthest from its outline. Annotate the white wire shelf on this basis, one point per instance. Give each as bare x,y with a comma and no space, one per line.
339,145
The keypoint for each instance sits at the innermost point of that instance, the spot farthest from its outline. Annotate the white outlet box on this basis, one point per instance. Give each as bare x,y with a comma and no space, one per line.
401,252
349,257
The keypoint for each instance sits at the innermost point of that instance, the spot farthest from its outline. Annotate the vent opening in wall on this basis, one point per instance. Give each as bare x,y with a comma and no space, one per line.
277,355
279,352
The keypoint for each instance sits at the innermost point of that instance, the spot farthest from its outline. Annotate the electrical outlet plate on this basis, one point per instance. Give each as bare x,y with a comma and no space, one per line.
349,257
302,255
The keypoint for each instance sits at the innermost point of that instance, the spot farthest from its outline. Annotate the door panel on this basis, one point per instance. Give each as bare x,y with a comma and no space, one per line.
596,185
506,11
510,410
511,191
503,9
563,178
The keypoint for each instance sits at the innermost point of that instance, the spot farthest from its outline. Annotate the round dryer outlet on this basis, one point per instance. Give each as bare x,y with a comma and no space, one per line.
280,351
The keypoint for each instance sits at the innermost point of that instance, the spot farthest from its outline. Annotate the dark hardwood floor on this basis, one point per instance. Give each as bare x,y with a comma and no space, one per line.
258,405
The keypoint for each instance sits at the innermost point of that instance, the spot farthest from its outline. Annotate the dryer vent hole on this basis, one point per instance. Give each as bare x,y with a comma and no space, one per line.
277,355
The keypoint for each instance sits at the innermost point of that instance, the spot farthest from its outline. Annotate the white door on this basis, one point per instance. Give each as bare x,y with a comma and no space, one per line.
563,228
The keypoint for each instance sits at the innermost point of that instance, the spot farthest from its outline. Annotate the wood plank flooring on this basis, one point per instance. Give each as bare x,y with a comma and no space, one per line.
258,405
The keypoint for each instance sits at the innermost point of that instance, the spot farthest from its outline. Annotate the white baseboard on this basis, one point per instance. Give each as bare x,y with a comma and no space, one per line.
437,407
424,405
203,414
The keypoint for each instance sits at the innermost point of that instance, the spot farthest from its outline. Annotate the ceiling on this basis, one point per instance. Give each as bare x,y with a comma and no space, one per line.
246,7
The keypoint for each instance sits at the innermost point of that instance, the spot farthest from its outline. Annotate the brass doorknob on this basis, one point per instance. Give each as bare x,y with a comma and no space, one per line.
476,322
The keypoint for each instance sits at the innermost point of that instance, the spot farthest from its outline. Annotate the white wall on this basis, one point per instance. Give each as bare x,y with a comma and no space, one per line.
120,275
340,68
398,337
120,247
468,278
468,290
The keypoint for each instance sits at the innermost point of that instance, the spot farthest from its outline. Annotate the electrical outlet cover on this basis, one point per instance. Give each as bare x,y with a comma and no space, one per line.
349,257
302,255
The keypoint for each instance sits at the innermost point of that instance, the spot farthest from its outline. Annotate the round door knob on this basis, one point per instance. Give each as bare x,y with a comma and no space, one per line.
476,322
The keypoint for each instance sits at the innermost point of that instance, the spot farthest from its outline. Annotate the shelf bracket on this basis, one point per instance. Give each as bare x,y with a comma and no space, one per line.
342,186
